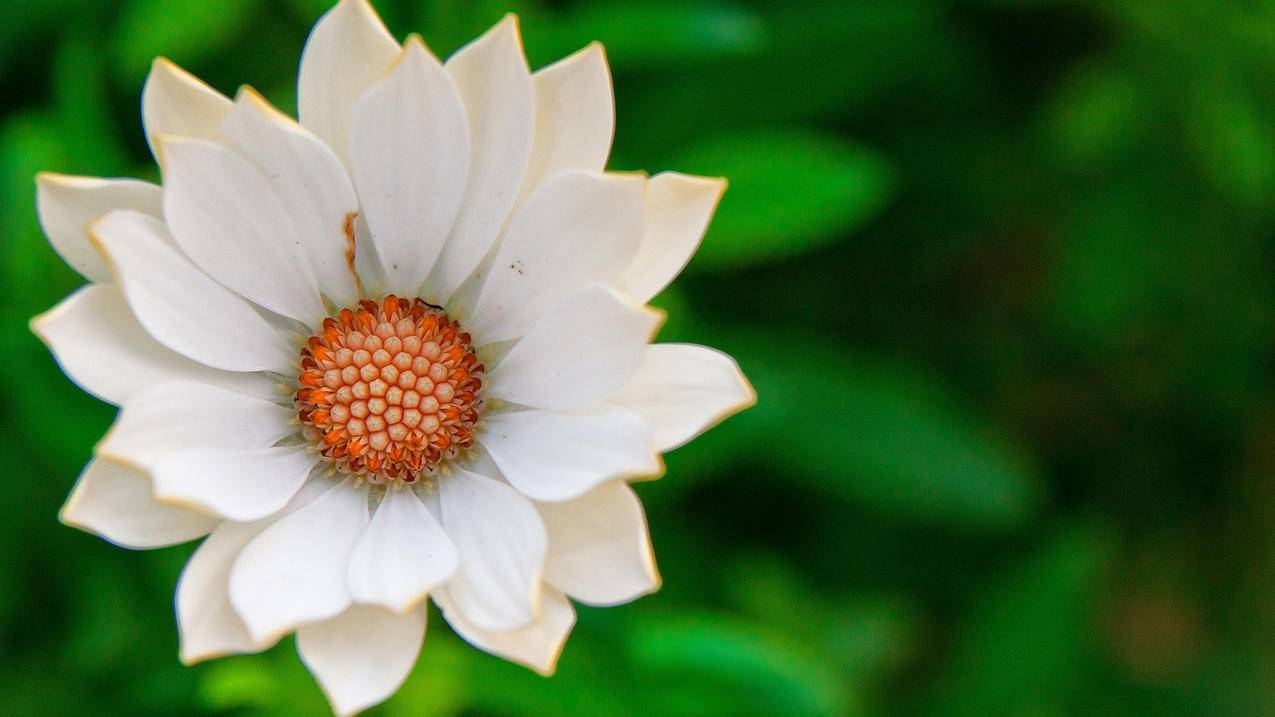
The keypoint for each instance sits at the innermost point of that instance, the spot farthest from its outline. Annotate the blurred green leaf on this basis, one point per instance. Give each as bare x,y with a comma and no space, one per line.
658,35
273,684
112,621
309,11
1233,137
790,192
34,279
823,59
888,437
678,313
735,668
1113,265
1137,272
448,25
23,22
85,125
32,271
185,30
865,636
440,683
1097,116
238,684
1024,648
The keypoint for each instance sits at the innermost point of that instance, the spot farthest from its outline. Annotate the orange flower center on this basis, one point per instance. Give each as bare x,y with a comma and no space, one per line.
389,391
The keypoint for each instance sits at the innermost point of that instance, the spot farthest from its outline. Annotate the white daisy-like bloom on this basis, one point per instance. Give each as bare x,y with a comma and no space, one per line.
395,351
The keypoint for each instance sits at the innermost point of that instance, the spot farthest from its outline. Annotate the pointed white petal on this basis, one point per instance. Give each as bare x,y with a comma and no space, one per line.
237,484
209,627
348,50
536,646
175,102
181,306
579,228
560,455
599,547
294,572
501,543
678,209
188,416
683,390
587,346
575,117
100,345
310,181
115,502
402,556
228,219
363,655
493,79
410,158
68,205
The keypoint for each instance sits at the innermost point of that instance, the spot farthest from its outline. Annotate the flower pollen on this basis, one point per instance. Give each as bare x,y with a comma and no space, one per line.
389,391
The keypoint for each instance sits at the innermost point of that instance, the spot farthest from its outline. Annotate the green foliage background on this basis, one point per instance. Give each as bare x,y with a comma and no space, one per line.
1001,272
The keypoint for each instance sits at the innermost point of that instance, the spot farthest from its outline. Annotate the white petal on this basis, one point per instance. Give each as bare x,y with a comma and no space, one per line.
599,547
100,345
683,390
402,556
410,158
236,484
501,543
584,348
348,50
188,416
175,102
295,571
579,228
575,117
493,79
678,209
115,502
559,455
181,306
536,646
228,219
363,655
208,625
310,181
68,205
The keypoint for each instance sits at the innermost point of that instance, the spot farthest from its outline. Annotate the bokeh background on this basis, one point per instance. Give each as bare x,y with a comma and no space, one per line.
1000,271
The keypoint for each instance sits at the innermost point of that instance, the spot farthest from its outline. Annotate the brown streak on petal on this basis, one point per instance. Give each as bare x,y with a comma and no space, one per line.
348,228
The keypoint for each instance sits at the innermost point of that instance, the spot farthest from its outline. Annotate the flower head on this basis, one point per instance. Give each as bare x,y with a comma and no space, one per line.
394,351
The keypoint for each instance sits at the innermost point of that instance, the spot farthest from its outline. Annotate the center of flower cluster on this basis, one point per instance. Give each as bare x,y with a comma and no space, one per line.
390,390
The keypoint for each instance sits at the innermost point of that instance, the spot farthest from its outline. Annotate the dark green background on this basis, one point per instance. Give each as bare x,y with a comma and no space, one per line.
1000,271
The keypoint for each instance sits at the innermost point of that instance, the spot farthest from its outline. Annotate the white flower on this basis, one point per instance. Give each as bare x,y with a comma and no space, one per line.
449,289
